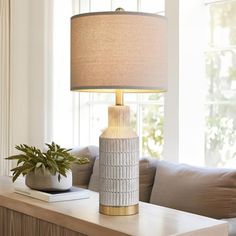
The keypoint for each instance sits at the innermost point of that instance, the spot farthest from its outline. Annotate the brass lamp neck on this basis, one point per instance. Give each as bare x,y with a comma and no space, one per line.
119,98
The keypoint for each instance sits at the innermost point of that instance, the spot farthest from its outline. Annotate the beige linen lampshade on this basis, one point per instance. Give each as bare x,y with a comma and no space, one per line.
118,50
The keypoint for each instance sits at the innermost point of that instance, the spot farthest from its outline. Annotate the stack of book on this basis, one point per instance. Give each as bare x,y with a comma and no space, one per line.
74,193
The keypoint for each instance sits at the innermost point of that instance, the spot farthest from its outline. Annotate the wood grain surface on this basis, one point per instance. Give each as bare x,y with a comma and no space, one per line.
82,216
13,223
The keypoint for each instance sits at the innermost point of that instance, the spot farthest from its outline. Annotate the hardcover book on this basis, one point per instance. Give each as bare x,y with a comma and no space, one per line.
74,193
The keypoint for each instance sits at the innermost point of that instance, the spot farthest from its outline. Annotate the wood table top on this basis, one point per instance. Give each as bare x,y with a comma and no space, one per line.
83,216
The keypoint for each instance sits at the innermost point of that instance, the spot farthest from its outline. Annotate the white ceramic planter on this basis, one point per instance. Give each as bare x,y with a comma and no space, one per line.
48,182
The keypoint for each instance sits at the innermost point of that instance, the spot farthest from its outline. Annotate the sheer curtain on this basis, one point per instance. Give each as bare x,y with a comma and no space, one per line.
5,85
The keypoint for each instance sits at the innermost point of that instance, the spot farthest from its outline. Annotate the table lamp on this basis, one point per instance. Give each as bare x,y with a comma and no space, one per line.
118,52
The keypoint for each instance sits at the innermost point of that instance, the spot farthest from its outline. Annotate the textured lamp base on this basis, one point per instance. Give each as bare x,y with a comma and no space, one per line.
119,165
119,210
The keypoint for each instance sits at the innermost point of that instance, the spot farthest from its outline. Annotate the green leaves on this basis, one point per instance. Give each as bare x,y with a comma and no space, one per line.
56,160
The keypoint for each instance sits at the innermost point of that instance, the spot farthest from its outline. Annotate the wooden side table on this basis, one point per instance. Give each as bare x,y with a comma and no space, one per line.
24,216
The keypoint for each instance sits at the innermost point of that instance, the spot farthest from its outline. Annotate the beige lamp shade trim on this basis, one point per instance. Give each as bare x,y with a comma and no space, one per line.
119,50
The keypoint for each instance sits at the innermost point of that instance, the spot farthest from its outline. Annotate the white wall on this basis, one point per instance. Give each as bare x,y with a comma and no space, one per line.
19,72
4,84
39,71
30,55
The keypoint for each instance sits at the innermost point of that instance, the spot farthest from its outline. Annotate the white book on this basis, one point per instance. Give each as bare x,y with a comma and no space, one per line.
74,193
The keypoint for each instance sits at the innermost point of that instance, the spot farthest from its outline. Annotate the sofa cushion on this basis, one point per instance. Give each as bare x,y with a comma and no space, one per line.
147,169
81,173
205,191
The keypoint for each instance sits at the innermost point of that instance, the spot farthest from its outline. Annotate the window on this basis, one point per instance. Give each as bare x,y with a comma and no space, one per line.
80,118
220,56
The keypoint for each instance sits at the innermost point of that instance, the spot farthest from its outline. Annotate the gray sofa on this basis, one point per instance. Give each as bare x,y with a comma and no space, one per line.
204,191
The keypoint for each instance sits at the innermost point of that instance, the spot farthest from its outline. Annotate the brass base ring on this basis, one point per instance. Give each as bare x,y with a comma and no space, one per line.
119,210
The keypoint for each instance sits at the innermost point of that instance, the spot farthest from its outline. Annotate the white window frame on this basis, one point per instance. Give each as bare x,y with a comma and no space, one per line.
183,131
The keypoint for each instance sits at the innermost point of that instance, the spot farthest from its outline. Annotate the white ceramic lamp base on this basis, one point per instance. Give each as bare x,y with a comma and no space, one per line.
119,165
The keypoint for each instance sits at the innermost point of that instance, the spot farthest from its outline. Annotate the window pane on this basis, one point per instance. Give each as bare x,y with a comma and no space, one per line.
99,121
221,75
133,116
127,5
153,97
131,97
152,130
101,5
84,6
220,135
220,145
222,23
152,6
103,97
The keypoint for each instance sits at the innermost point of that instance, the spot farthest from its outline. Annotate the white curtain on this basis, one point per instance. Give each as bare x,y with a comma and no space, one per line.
4,85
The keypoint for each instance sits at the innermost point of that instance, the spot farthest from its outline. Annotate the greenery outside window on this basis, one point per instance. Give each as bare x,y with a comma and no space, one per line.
220,107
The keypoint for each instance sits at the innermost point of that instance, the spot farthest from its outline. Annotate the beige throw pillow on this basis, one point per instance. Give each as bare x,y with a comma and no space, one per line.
81,173
205,191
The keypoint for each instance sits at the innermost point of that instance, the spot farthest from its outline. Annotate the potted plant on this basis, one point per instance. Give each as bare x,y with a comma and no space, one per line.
47,171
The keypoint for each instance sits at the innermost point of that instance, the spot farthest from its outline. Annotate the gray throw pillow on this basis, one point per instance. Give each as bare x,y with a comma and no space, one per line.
205,191
81,173
94,180
147,171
